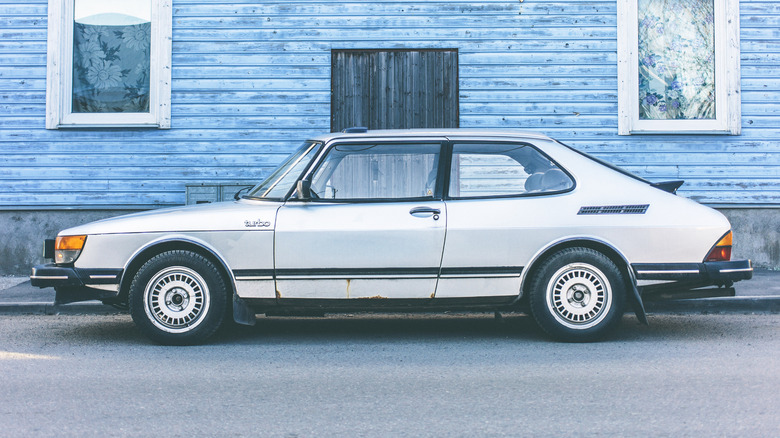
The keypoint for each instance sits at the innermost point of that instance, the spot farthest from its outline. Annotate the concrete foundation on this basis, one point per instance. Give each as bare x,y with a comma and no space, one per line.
23,231
756,234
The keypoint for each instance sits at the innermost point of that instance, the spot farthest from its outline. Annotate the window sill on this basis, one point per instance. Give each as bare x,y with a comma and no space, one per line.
680,132
110,125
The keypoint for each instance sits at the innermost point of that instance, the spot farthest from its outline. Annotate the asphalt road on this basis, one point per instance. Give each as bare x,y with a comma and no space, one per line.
445,375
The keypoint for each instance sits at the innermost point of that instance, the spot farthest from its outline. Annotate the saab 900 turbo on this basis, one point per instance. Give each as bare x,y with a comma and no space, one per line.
403,221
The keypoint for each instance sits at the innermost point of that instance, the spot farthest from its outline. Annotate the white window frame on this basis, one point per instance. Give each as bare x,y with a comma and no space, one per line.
728,111
59,73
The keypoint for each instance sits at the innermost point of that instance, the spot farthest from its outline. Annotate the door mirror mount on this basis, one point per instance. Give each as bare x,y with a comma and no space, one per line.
303,189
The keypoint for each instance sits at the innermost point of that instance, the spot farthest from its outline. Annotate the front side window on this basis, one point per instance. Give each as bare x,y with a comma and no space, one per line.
678,66
377,172
503,169
109,63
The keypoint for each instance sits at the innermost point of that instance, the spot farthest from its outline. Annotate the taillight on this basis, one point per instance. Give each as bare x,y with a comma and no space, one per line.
721,252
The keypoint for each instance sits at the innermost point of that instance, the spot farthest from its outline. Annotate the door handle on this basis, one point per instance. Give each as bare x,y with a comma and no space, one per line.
426,210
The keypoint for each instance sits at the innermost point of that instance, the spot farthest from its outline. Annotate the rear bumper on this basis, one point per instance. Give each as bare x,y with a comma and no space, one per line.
707,273
74,284
687,280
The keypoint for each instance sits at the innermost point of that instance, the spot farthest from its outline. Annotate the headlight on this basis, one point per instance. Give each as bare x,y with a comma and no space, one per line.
68,248
721,252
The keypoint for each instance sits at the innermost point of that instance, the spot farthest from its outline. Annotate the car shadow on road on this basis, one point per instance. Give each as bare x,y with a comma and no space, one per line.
385,327
468,326
393,328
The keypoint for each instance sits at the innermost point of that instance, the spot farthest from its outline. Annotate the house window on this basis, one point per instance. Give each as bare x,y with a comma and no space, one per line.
678,66
109,63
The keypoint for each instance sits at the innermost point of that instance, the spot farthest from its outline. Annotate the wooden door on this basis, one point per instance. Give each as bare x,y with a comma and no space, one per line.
394,89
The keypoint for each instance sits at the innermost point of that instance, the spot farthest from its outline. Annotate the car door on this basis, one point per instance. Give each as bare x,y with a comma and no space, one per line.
501,205
373,227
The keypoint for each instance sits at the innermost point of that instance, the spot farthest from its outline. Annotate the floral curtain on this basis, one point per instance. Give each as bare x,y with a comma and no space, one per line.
111,68
676,59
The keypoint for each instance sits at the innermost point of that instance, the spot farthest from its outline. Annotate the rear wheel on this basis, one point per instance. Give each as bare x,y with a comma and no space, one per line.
178,297
577,295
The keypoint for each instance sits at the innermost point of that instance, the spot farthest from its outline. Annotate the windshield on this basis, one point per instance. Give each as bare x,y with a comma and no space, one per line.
282,179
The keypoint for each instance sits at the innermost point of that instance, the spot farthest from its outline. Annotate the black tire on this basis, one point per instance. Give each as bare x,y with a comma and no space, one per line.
577,295
178,298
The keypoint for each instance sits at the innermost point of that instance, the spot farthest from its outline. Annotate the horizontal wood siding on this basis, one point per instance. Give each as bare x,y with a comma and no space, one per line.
251,79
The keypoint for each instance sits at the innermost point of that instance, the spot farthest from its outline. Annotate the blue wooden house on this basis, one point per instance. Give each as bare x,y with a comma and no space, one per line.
113,106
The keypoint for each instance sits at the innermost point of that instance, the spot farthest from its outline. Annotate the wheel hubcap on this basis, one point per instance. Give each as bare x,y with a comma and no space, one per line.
579,295
176,299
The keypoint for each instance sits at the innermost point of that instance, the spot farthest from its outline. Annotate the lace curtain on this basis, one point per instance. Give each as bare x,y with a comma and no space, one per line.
111,68
676,59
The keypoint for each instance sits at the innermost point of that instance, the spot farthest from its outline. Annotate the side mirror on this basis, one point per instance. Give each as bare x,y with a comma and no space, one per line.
303,189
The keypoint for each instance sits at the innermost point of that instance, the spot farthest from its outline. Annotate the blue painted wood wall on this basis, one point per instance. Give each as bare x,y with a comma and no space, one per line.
252,78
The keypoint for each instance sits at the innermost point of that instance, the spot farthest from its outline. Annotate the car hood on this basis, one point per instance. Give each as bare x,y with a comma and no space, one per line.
241,215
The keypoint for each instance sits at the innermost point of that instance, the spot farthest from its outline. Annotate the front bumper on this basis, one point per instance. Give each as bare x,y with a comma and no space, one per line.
74,284
678,280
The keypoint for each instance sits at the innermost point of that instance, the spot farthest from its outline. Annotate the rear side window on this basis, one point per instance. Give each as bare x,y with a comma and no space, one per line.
503,169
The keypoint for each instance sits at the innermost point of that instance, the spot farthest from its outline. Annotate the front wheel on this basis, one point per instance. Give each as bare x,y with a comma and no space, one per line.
178,297
577,295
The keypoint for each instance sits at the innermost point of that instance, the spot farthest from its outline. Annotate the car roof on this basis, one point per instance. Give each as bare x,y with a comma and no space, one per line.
417,133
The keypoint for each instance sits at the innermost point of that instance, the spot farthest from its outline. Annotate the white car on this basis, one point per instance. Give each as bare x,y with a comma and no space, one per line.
405,220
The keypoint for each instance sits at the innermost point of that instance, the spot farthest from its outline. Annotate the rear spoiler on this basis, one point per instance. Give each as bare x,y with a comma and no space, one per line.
669,186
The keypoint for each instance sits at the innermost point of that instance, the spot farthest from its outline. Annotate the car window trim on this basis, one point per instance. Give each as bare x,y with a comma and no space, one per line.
318,160
446,189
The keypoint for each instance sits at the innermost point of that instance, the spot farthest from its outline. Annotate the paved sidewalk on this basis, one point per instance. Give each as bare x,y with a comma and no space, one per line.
17,295
759,295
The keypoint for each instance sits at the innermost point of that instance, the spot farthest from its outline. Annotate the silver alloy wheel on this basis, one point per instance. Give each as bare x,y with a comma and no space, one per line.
176,299
579,296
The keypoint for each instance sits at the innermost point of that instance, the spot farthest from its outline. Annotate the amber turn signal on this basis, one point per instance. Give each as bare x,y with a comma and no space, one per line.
721,252
68,248
70,243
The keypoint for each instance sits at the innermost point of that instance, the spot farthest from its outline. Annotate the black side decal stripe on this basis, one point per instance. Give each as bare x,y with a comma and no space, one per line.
516,270
253,273
490,271
348,272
